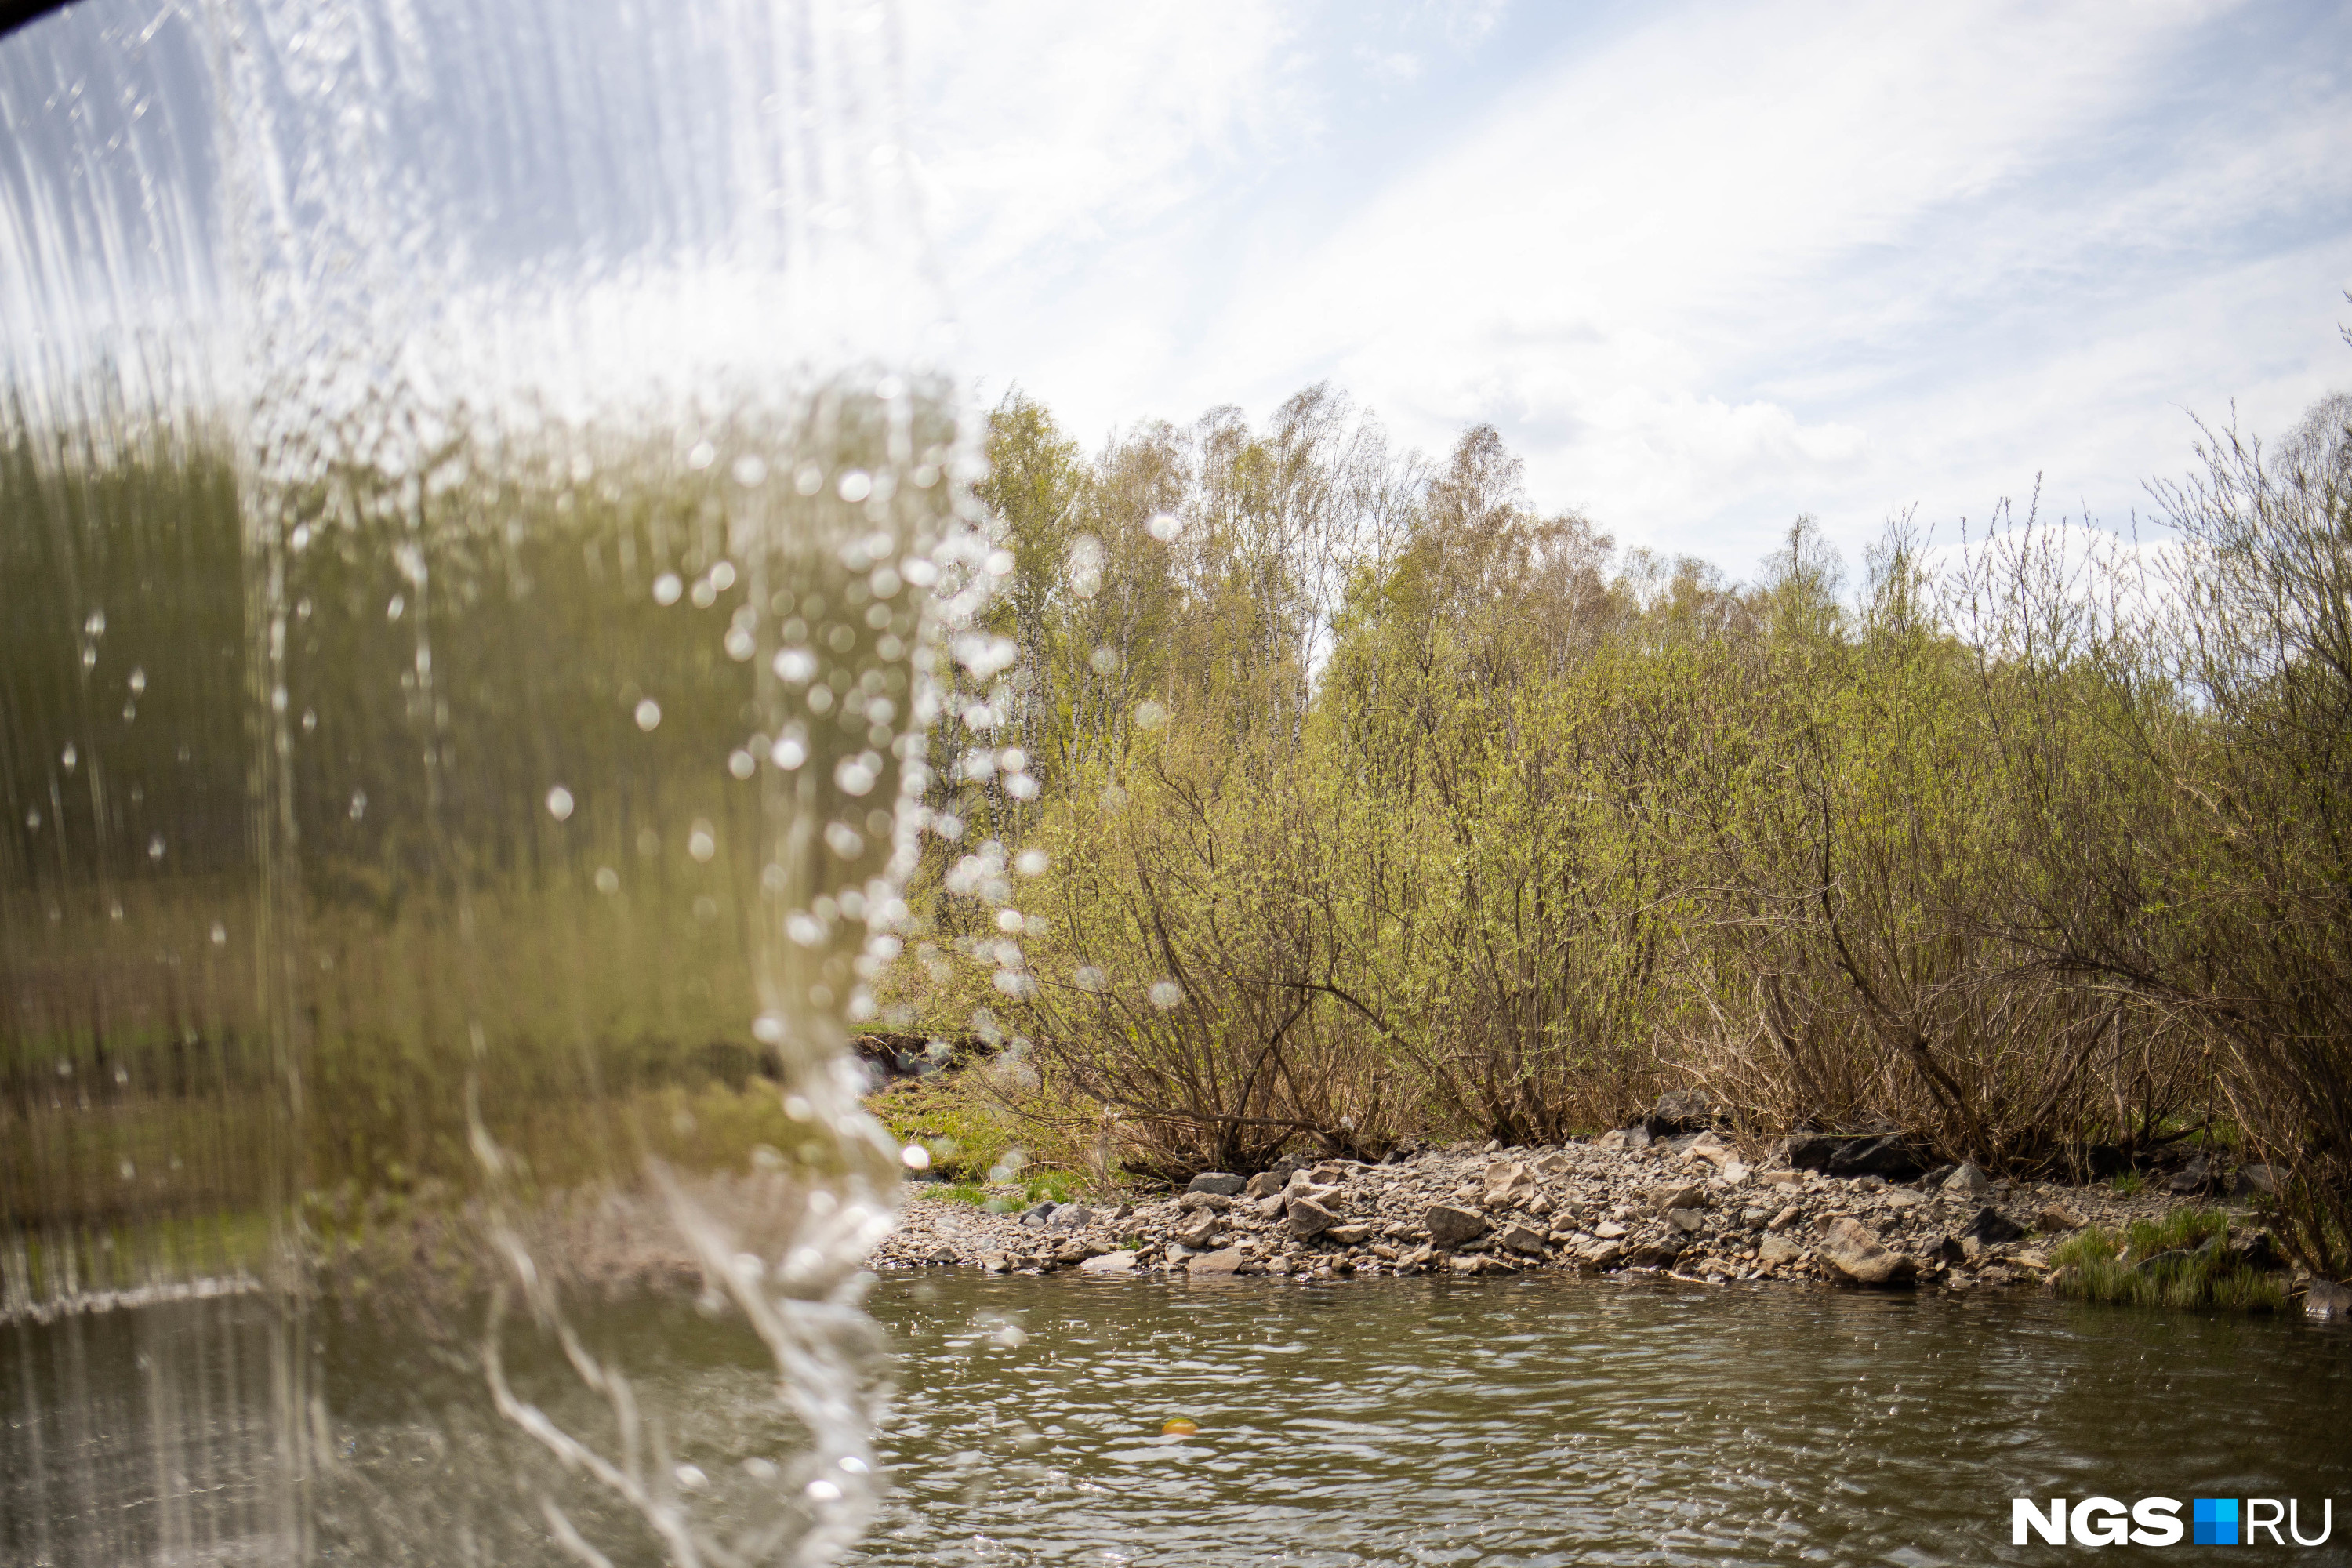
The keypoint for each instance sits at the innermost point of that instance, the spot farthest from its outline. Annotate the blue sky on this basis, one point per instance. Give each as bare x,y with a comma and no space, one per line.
1707,266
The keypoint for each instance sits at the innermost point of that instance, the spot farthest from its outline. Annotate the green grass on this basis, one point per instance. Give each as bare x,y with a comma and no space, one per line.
2128,1183
2181,1261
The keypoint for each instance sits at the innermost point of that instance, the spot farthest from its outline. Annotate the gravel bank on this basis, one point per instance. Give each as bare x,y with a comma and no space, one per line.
1698,1207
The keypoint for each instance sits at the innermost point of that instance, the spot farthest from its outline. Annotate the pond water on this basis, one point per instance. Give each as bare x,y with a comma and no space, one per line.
1536,1421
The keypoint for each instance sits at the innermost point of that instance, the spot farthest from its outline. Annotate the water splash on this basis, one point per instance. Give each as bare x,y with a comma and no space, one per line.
512,449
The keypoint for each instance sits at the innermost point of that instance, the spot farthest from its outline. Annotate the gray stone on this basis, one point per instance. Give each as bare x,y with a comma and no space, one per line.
1601,1254
1689,1196
1888,1154
1506,1184
1071,1216
1524,1239
1265,1183
1200,1231
1994,1229
1451,1227
1224,1263
2328,1301
1309,1218
1903,1198
1350,1235
1689,1221
1609,1230
1788,1216
1654,1255
1967,1182
2255,1181
1777,1250
1684,1110
1225,1183
1216,1202
1037,1214
1849,1247
2057,1216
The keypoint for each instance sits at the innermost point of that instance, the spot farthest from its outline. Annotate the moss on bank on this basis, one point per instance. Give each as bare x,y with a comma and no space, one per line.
2185,1259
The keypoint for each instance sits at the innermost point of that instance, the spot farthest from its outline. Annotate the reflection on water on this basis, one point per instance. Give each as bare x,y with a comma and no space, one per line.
1538,1421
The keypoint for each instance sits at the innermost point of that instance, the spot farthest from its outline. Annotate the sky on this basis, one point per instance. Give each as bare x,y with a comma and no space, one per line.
1706,267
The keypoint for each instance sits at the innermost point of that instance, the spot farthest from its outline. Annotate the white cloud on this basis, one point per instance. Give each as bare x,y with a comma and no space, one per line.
1733,263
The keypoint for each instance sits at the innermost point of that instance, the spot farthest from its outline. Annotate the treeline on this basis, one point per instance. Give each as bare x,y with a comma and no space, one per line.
1363,799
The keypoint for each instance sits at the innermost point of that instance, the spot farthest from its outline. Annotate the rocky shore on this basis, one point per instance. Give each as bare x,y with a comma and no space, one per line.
1698,1207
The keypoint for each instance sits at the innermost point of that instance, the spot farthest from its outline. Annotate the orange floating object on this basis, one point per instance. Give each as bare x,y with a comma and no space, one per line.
1179,1427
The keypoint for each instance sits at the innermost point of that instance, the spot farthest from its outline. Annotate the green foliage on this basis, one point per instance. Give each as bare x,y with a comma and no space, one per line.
965,1127
2180,1260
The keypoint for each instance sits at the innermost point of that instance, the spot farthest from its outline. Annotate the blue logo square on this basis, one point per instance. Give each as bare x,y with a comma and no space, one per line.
2213,1521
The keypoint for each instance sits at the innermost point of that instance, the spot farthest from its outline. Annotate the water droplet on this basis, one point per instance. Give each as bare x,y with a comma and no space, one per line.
607,879
1105,660
691,1478
760,1469
999,563
558,803
1010,922
32,819
89,659
359,804
855,775
392,611
138,679
704,595
154,846
300,540
750,471
740,763
855,485
310,720
798,1108
666,588
843,840
648,713
700,456
1167,994
706,908
794,666
648,844
1150,715
1089,978
916,1157
1163,526
788,753
768,1029
95,624
808,479
220,934
722,576
823,1491
702,843
1031,863
740,643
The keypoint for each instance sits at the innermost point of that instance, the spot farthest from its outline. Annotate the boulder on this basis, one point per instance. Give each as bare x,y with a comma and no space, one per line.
1037,1214
1609,1230
1349,1236
1601,1254
1265,1183
1849,1248
2058,1217
1993,1228
1654,1255
1506,1185
1684,1110
1524,1239
1110,1263
1967,1182
2196,1177
2256,1181
1690,1222
1888,1154
1308,1218
1071,1216
1226,1262
1778,1249
1225,1183
1215,1202
1451,1227
2328,1301
1553,1162
1200,1232
1687,1195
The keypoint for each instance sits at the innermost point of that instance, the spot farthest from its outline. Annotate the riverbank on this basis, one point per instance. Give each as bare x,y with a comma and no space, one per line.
1701,1207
